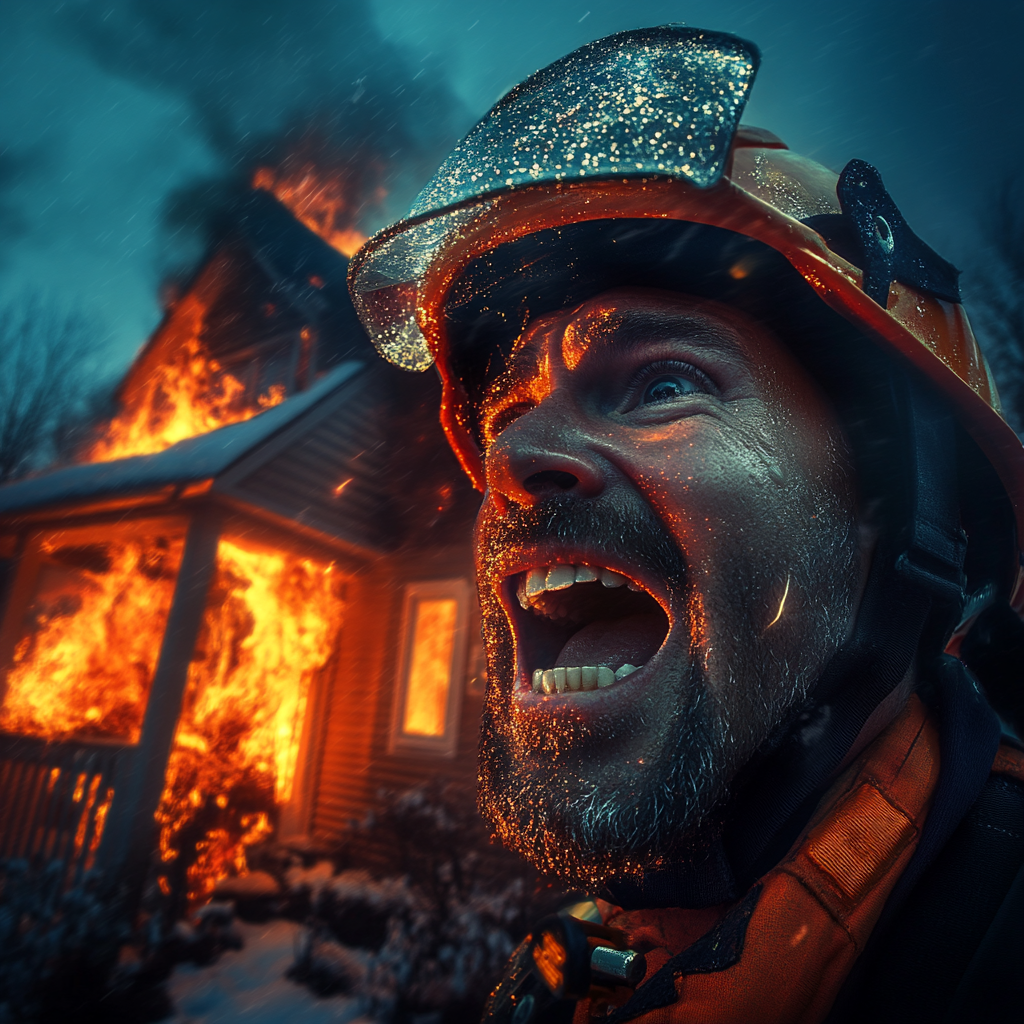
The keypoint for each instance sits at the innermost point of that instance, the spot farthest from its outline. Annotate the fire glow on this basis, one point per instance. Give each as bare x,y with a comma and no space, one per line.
269,627
185,395
318,200
86,655
84,663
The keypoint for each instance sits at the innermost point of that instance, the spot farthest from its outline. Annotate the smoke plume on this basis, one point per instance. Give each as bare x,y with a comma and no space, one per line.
266,82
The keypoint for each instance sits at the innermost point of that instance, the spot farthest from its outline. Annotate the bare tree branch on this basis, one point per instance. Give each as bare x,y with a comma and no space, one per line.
47,381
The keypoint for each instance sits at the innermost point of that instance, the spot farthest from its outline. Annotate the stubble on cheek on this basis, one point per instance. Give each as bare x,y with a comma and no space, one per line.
780,596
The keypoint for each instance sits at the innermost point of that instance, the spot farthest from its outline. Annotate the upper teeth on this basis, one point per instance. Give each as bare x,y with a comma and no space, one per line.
560,577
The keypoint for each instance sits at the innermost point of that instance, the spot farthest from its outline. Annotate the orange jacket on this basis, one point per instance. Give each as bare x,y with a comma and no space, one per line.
809,918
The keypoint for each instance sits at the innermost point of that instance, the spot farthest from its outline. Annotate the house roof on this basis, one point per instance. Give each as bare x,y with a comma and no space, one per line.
291,254
205,457
297,269
343,458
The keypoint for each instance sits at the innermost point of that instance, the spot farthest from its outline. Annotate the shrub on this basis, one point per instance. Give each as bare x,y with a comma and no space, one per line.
429,938
58,946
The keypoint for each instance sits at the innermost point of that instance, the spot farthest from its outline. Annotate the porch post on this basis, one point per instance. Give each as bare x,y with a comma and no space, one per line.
129,838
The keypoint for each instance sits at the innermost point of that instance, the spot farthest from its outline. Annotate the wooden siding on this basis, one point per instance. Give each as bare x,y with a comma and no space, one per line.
344,440
266,278
343,787
249,309
355,766
434,507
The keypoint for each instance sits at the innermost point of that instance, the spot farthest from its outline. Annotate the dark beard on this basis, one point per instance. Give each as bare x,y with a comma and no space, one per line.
577,832
585,836
535,787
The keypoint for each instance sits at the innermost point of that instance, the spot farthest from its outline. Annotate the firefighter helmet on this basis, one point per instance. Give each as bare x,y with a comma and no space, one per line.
643,127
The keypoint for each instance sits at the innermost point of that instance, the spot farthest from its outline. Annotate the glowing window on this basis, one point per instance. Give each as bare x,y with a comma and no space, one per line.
432,667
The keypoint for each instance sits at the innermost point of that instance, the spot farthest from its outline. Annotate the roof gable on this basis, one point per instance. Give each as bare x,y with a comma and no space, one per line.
203,457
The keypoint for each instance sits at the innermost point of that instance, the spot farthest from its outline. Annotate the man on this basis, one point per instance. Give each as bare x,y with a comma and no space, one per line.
744,482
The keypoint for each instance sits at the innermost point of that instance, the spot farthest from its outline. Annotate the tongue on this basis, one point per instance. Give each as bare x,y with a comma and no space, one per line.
631,640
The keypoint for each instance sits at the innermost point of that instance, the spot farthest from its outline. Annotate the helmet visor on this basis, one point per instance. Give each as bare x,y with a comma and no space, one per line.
652,102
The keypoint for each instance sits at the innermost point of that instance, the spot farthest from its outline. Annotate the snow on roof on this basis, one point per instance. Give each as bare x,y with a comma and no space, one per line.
188,461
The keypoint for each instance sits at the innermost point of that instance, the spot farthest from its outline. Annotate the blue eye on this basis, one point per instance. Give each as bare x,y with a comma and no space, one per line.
666,388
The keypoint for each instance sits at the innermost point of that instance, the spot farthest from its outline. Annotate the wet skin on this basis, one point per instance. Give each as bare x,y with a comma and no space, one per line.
690,419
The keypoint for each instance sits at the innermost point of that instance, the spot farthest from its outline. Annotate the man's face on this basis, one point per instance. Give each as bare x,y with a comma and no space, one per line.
667,492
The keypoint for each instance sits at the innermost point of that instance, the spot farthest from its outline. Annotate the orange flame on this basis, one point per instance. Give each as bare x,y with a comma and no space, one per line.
185,395
91,636
85,660
269,627
317,199
99,823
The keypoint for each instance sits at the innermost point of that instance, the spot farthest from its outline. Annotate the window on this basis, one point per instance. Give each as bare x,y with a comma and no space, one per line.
81,650
431,667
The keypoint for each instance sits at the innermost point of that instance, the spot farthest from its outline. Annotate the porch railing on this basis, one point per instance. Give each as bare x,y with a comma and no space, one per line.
91,804
55,799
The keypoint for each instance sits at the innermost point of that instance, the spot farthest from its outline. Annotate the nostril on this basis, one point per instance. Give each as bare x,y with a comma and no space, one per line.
550,481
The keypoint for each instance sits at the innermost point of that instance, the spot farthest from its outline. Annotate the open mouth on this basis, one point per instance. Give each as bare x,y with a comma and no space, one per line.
582,627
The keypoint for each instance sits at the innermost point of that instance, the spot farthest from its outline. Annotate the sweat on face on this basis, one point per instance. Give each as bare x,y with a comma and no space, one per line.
667,555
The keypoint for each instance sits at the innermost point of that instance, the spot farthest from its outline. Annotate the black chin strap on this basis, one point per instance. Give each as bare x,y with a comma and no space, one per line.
912,602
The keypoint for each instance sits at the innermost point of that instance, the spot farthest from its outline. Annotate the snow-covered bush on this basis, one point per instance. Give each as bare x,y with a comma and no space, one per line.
430,938
58,946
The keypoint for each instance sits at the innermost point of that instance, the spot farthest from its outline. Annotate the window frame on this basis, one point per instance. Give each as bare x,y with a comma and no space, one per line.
445,745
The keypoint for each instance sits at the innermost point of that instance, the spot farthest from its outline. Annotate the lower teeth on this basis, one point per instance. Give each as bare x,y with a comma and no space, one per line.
587,677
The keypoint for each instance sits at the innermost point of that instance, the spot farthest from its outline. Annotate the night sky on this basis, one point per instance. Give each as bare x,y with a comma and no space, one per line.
121,120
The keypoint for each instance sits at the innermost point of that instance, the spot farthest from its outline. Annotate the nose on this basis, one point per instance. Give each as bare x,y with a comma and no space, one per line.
542,455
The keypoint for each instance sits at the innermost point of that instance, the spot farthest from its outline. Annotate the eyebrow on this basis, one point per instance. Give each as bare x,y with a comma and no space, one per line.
633,328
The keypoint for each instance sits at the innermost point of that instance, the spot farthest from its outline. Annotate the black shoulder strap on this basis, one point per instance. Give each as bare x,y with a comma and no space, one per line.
947,941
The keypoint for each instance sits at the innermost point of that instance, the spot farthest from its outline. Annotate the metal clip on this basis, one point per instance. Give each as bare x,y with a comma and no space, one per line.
577,958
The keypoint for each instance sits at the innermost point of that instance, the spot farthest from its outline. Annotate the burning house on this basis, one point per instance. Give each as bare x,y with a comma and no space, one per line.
247,609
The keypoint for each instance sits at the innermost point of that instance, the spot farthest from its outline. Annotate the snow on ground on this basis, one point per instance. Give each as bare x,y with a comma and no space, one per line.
248,986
